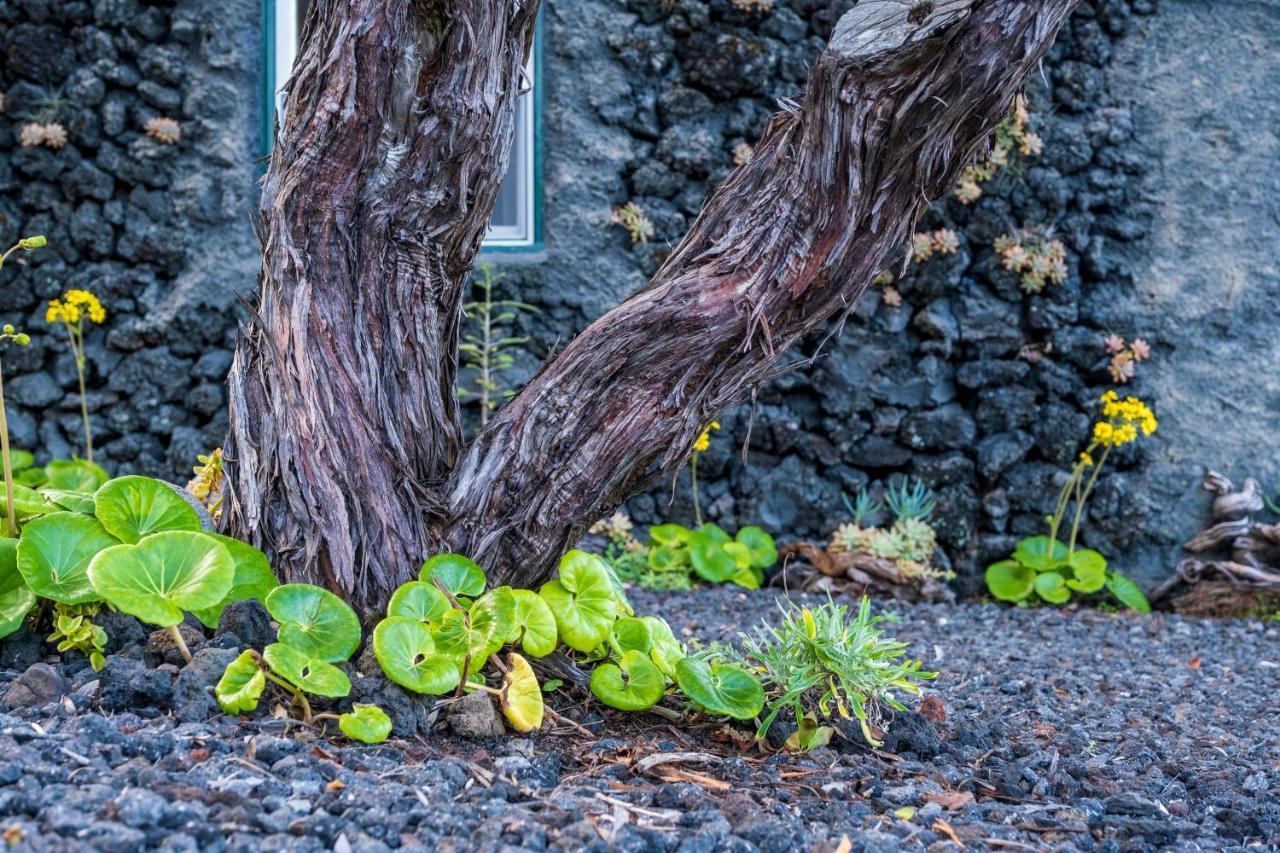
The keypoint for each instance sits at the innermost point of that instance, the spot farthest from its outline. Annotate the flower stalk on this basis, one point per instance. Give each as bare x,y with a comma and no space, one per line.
73,311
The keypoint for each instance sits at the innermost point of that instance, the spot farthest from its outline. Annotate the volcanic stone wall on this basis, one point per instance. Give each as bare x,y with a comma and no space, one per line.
160,232
970,384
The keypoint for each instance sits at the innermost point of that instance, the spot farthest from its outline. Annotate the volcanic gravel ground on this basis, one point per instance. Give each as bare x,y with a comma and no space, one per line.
1063,730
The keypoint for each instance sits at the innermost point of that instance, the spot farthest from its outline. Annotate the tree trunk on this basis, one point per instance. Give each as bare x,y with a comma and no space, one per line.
397,131
902,99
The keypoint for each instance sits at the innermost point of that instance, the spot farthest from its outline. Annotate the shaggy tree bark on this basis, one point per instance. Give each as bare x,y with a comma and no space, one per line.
904,96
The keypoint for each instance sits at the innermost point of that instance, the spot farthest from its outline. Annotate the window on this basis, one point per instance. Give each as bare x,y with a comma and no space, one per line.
515,220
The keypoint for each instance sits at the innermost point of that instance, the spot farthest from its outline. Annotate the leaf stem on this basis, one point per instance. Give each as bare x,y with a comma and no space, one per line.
8,464
180,643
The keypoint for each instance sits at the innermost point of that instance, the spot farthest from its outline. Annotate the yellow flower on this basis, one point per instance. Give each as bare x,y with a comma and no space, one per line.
1102,432
1086,459
1125,418
704,440
73,306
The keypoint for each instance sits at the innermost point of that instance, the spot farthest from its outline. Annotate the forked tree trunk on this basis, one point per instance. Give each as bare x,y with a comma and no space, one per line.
345,459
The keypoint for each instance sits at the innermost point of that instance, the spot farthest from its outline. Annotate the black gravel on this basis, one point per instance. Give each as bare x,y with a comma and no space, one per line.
1063,730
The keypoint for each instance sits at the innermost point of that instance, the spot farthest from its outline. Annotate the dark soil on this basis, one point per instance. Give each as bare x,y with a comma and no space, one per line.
1062,730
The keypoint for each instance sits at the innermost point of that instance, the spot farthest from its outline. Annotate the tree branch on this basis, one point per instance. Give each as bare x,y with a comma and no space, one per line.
903,97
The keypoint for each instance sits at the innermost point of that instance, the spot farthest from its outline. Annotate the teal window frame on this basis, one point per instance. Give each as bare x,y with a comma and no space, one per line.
534,243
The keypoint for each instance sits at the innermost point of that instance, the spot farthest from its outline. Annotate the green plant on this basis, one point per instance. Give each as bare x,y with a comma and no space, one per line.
822,660
709,554
1011,136
1125,357
862,506
11,335
487,349
1052,569
443,631
909,543
1038,258
910,500
127,543
73,310
637,224
316,631
206,485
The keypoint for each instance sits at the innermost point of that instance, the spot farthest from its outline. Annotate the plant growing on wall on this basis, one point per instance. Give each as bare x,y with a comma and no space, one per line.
1036,257
907,545
1051,569
1012,137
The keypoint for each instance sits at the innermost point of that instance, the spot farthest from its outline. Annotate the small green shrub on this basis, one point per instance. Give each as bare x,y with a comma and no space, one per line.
822,661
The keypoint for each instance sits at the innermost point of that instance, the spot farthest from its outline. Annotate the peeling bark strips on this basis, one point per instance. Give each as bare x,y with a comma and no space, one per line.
901,100
396,135
344,455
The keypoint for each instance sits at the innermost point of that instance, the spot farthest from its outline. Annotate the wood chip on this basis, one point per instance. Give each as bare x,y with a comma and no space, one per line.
952,801
942,826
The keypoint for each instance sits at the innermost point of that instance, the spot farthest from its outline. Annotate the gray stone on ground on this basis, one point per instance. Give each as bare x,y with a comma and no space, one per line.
474,716
38,686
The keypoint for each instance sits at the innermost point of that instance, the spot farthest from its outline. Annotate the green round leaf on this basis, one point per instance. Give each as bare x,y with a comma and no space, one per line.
664,649
666,558
722,689
460,575
808,736
452,634
408,655
631,634
75,475
72,501
1052,588
418,600
26,502
1009,580
314,621
741,554
1041,553
670,534
749,577
1127,592
16,598
492,616
763,551
253,578
241,685
365,723
133,507
54,554
534,625
633,684
163,575
582,600
711,561
711,533
21,460
1089,569
308,673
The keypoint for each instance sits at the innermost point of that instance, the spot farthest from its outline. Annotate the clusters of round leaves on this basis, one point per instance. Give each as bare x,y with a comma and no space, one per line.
712,554
317,630
1046,568
136,543
446,626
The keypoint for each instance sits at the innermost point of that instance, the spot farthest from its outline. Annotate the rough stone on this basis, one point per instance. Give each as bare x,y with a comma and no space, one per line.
39,685
474,716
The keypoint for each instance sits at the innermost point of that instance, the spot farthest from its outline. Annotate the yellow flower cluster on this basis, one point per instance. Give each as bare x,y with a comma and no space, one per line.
74,305
1125,420
704,440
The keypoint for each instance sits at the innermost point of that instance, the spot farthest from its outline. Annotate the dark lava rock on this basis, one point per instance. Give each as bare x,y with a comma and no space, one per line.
249,621
193,699
21,649
474,716
912,734
35,688
130,685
